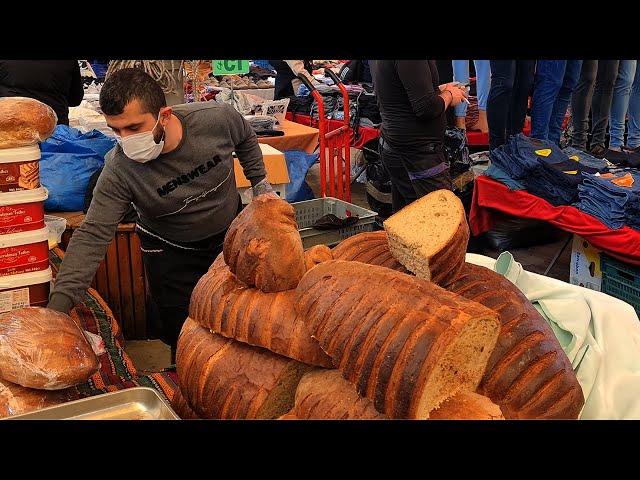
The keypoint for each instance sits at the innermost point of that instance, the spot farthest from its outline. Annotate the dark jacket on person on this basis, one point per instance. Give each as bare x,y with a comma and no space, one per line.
56,83
412,110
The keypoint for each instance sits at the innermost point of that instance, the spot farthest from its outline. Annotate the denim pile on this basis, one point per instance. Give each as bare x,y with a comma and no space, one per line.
544,169
614,198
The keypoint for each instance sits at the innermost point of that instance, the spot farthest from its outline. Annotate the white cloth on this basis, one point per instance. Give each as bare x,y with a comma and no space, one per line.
600,335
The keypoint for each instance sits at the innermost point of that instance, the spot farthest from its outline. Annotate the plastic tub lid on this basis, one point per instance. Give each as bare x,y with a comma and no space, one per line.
23,196
24,238
20,154
26,279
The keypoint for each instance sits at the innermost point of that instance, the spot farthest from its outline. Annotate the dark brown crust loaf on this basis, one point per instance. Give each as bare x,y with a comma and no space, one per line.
24,122
385,330
528,374
315,255
467,406
263,247
16,400
371,248
228,307
182,407
325,394
44,349
224,379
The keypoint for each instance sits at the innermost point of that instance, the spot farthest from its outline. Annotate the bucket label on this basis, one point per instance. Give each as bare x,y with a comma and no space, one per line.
19,176
14,299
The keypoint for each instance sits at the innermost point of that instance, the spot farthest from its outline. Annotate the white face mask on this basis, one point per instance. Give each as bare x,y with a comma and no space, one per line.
142,147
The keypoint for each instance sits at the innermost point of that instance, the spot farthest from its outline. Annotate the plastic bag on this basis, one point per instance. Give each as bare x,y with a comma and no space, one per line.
456,151
69,158
298,164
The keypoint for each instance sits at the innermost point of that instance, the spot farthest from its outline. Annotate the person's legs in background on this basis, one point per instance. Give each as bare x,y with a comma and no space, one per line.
633,135
520,95
461,74
569,82
499,100
483,83
581,104
601,104
620,103
402,192
547,83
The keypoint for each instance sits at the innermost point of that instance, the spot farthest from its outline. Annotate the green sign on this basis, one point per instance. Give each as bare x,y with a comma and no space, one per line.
230,67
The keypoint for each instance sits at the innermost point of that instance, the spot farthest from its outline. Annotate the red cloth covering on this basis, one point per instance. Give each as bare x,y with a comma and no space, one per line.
490,195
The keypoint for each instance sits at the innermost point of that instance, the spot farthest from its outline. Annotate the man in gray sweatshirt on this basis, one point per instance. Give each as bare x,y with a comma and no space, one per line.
175,165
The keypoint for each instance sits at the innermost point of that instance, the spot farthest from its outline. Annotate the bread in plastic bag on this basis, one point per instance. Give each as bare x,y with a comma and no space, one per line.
25,121
44,349
16,400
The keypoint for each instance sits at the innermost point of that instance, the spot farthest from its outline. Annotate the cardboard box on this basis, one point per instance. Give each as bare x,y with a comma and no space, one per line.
585,265
277,173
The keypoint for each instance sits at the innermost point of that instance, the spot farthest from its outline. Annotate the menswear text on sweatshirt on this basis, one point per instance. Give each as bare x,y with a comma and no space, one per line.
186,195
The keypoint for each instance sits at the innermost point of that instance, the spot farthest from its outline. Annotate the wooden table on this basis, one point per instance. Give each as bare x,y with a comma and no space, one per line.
296,137
120,278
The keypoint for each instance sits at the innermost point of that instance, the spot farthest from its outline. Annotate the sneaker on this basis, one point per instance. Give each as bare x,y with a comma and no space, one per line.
598,151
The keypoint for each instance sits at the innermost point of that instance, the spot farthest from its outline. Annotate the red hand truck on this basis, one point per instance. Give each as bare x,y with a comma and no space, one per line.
335,145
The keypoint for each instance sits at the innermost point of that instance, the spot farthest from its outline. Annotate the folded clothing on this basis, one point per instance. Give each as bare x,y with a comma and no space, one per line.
544,169
612,198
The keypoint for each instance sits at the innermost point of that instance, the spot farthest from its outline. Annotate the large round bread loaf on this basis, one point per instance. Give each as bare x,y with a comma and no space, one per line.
325,394
223,304
224,379
182,407
16,400
528,374
44,349
24,122
405,343
263,247
368,247
315,255
467,406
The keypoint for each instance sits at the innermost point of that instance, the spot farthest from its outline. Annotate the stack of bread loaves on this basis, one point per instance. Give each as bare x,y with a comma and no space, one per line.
275,332
42,354
528,374
24,246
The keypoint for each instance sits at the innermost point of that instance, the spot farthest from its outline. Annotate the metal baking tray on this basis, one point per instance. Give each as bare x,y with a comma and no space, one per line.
139,403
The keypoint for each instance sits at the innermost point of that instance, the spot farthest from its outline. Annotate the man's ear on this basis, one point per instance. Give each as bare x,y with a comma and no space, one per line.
165,115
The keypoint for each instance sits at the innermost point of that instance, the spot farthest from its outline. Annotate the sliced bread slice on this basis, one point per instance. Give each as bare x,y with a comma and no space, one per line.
429,236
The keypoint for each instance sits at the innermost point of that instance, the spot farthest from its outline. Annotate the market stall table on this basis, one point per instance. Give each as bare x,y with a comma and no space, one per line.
296,137
490,196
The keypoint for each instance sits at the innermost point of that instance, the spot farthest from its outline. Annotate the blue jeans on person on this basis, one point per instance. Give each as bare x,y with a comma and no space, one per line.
483,81
553,83
571,77
633,135
546,85
620,103
511,81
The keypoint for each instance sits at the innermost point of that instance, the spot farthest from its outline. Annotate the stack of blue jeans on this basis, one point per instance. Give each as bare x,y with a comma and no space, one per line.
543,168
613,205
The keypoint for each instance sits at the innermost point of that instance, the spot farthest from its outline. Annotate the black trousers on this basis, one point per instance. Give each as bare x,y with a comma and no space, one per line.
284,75
594,91
414,173
511,81
172,274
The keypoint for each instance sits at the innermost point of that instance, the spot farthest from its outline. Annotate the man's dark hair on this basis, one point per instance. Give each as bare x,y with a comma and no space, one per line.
128,84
